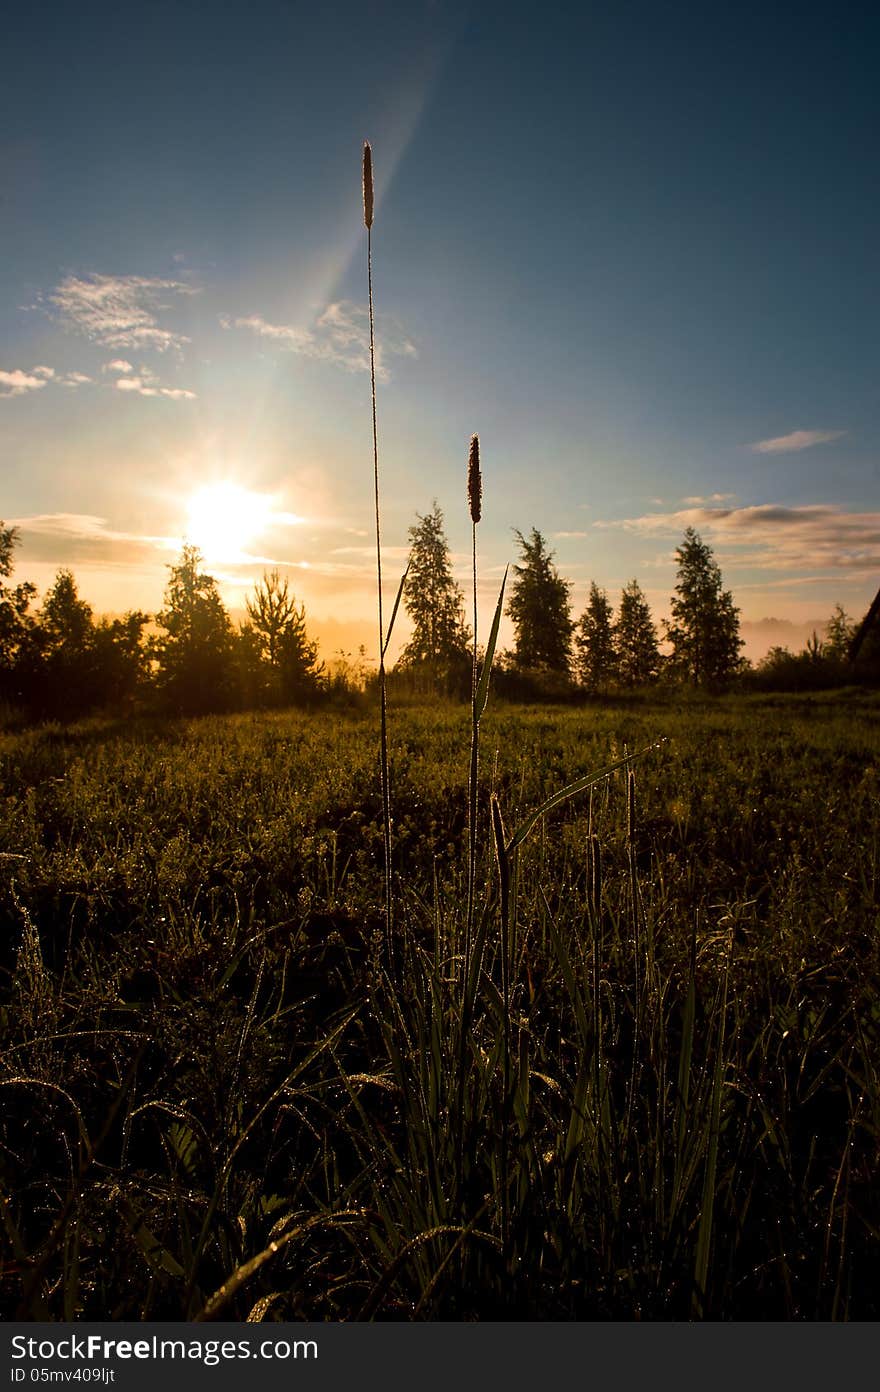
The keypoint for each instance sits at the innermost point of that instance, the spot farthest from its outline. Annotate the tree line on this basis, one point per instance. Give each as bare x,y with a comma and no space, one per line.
597,651
600,651
58,661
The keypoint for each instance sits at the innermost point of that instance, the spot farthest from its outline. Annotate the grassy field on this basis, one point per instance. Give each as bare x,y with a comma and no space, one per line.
654,1096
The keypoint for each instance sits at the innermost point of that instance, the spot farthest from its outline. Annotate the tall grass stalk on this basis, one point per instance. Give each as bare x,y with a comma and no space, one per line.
475,499
471,963
383,692
503,859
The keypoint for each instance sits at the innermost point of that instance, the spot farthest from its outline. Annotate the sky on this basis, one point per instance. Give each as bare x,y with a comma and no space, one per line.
634,247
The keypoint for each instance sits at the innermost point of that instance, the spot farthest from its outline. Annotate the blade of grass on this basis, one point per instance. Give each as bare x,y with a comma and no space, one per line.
400,590
580,785
481,695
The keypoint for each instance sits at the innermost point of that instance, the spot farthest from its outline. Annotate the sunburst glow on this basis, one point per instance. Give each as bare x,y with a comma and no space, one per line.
223,519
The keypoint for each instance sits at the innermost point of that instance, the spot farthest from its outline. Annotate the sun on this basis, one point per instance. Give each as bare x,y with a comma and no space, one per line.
224,518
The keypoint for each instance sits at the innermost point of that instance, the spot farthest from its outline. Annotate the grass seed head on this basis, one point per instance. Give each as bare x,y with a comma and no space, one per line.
475,480
368,185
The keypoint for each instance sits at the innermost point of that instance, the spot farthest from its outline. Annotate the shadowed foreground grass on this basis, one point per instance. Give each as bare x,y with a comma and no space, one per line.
214,1100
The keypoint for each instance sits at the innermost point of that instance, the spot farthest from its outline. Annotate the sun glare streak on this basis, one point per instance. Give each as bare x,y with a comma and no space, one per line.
319,285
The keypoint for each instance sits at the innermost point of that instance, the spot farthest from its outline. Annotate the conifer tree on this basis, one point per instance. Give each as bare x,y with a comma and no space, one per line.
195,652
278,627
839,633
704,630
595,655
438,647
638,656
540,608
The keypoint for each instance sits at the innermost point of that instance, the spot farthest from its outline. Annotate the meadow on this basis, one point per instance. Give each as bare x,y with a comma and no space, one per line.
648,1090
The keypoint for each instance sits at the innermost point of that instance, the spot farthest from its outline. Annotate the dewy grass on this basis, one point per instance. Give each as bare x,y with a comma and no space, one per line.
288,1145
383,692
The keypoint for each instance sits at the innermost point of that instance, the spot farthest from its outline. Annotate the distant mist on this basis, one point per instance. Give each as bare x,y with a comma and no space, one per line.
760,635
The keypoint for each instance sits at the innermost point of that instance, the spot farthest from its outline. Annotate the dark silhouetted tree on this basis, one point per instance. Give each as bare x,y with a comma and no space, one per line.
839,633
438,648
65,619
638,656
75,665
704,629
278,624
194,654
595,655
122,667
540,608
14,618
253,676
66,678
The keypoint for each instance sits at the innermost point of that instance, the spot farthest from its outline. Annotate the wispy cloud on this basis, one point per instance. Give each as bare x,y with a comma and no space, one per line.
118,365
389,553
774,537
341,334
145,383
570,536
68,524
696,501
17,382
120,311
65,538
74,379
797,440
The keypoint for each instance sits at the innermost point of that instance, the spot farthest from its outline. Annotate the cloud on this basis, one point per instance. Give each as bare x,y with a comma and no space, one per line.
389,553
146,384
773,537
17,382
117,365
697,501
119,311
66,523
65,538
797,440
572,536
341,335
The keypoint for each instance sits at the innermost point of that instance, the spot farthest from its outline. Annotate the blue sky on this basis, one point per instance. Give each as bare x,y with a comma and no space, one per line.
633,246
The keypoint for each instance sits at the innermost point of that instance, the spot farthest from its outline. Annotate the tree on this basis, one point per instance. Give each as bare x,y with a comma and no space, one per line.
540,608
63,672
638,656
194,654
14,618
69,665
839,633
704,631
278,627
596,658
121,657
65,619
435,604
253,677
